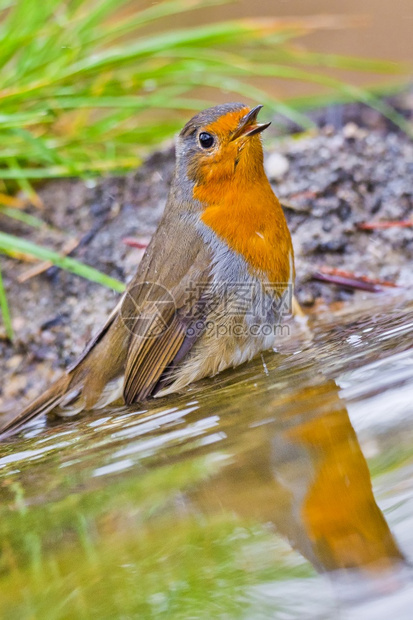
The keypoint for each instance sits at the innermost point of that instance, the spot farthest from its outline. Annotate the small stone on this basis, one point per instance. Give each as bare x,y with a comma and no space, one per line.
15,385
14,362
276,166
351,131
18,323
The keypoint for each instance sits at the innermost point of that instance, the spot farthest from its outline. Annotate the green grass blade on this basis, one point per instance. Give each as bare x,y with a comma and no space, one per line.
22,216
153,13
310,102
75,169
334,61
10,244
4,307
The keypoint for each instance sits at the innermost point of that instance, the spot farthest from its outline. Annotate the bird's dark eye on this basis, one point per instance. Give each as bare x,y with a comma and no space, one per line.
206,140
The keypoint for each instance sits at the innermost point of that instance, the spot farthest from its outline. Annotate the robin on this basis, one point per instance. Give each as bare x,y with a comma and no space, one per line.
208,292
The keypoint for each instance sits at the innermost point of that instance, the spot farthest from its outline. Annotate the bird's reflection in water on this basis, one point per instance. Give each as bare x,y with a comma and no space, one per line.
310,479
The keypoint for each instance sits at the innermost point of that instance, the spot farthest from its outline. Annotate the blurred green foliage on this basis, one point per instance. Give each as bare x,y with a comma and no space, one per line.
85,88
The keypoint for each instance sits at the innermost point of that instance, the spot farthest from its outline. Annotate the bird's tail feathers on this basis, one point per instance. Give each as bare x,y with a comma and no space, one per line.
47,401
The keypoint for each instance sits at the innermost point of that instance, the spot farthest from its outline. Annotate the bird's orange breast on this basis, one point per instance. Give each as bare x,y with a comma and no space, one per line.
249,218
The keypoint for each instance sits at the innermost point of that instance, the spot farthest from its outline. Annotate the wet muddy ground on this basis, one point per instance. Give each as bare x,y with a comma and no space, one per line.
355,168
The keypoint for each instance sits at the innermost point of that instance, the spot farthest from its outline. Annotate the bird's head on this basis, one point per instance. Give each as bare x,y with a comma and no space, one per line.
221,144
220,176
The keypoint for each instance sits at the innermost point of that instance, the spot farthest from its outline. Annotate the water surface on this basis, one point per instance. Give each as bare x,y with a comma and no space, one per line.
282,489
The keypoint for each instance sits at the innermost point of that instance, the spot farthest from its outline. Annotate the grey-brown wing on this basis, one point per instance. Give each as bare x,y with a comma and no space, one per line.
164,324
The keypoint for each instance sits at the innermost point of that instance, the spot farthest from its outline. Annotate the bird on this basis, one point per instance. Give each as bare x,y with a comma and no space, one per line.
209,290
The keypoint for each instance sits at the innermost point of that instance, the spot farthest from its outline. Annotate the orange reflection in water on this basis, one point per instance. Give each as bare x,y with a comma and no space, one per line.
311,480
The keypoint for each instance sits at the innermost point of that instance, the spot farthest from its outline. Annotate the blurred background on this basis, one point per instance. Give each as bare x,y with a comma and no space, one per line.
87,86
362,28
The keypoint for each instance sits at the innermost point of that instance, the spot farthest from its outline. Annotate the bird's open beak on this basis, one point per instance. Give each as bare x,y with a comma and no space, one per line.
249,126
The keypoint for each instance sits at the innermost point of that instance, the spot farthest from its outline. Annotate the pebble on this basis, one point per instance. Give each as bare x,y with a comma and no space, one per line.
353,131
276,166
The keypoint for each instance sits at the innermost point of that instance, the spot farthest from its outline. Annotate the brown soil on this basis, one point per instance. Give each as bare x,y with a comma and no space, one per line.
332,180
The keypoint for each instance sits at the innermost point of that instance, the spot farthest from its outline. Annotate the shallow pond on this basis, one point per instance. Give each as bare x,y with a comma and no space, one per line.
282,489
